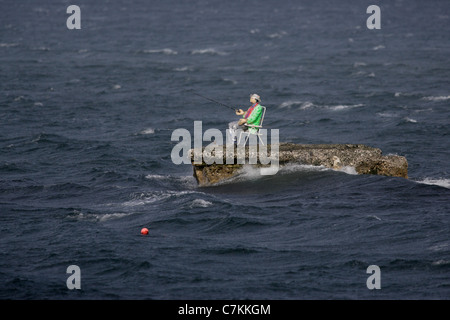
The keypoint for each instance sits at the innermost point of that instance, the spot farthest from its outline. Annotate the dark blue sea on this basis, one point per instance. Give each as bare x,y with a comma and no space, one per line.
87,115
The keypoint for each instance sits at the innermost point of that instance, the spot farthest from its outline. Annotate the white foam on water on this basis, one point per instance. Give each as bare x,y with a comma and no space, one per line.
436,98
424,110
359,64
348,170
230,80
308,105
189,182
407,119
344,107
437,182
97,217
42,48
303,104
252,173
289,168
210,51
144,198
440,262
293,167
110,216
8,45
277,35
200,203
387,115
290,103
167,51
378,47
181,69
155,177
439,247
148,131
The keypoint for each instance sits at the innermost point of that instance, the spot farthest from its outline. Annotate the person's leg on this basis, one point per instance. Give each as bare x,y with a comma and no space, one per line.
232,131
243,127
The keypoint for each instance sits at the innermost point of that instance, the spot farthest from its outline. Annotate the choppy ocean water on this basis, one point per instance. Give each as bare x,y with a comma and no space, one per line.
86,118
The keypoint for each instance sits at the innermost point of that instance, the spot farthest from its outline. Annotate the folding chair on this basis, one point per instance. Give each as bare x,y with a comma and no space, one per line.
248,133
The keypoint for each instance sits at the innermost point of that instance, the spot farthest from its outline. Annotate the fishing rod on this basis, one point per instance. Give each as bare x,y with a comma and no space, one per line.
222,104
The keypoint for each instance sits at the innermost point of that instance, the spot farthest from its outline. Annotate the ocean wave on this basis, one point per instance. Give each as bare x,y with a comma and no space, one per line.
414,95
148,131
436,98
290,168
403,94
290,103
277,35
144,198
173,181
42,48
439,247
167,51
294,167
229,80
440,262
359,64
348,170
386,115
96,217
210,51
200,203
155,177
437,182
303,105
407,119
250,173
344,107
178,179
181,69
8,45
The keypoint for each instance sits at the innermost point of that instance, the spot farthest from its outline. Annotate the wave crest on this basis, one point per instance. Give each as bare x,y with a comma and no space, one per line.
437,182
436,98
210,51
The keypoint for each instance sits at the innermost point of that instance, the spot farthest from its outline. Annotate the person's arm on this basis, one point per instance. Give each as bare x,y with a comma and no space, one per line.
242,121
240,112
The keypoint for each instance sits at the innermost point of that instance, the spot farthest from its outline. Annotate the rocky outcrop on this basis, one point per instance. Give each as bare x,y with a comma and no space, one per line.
365,160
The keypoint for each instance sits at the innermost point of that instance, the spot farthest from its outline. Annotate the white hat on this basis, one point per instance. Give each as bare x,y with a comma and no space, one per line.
257,98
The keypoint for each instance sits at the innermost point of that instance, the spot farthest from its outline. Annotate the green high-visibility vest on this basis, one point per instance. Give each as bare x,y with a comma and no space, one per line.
254,118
